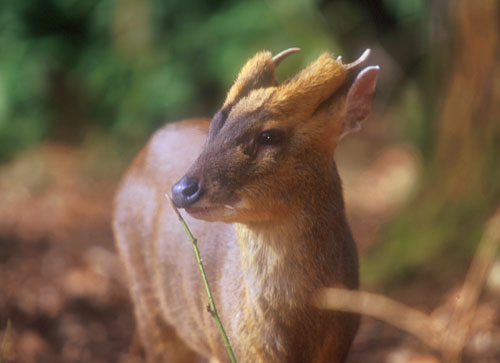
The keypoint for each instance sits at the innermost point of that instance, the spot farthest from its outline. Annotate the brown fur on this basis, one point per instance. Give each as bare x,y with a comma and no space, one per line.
285,234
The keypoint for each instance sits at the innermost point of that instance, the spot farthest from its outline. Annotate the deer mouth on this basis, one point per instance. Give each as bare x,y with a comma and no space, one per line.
211,213
200,210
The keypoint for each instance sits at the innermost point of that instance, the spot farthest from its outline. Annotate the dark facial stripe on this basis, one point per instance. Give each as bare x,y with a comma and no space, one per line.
219,119
263,80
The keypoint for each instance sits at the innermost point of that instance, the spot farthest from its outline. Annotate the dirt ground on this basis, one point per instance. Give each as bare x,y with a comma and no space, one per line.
62,289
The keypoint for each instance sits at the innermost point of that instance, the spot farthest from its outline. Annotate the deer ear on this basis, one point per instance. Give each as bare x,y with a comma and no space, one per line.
359,99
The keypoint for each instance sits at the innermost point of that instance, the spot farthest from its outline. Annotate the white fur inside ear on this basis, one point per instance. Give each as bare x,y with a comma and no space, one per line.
359,99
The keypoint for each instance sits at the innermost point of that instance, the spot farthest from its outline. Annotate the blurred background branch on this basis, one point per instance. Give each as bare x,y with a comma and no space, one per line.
447,336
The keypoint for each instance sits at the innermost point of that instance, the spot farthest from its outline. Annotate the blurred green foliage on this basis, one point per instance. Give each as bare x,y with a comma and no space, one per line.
69,66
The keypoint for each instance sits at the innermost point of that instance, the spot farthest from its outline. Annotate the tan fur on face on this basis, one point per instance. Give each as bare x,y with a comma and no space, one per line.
257,99
293,101
300,96
306,108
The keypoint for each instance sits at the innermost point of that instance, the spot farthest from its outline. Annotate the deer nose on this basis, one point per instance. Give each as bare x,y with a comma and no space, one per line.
186,192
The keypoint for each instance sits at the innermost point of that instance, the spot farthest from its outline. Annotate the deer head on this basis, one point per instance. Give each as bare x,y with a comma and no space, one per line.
270,147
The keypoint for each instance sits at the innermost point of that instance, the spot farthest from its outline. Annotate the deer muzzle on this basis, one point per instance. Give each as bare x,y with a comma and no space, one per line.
186,192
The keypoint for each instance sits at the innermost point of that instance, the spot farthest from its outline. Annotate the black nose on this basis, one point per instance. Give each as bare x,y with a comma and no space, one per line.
186,192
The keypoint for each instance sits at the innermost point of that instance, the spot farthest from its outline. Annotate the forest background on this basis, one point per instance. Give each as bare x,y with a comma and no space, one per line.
83,84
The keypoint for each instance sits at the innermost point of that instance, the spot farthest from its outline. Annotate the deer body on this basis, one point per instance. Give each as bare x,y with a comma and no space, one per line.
277,230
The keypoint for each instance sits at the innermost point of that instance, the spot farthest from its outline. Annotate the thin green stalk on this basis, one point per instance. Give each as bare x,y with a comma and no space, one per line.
3,346
211,302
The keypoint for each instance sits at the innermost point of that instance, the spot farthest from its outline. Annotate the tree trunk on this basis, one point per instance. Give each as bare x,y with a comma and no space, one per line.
460,188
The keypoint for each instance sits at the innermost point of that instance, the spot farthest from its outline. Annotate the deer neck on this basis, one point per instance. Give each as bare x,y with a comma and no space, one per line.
284,262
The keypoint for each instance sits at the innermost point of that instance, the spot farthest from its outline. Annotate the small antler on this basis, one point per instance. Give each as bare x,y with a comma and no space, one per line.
278,58
359,61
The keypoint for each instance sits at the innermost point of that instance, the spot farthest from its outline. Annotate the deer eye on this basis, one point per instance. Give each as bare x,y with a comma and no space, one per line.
270,137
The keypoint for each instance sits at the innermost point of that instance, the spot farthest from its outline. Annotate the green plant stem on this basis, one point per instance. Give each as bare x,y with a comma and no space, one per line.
213,309
3,346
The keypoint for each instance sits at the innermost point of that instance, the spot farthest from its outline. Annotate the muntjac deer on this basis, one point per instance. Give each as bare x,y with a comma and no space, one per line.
262,173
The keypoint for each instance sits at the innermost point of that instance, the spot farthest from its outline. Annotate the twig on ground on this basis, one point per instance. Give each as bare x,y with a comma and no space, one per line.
212,308
383,308
465,310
